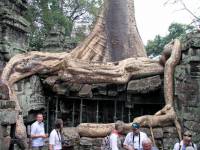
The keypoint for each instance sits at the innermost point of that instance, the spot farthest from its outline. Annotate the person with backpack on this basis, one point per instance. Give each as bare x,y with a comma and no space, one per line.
186,143
134,139
113,141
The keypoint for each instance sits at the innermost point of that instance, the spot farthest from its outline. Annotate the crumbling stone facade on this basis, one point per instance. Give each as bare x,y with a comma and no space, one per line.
13,40
30,93
187,86
13,28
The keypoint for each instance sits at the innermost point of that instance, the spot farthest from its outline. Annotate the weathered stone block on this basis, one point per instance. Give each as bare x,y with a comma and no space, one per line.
158,133
191,114
71,133
168,143
192,125
8,116
5,104
144,85
146,130
86,141
30,94
170,132
93,142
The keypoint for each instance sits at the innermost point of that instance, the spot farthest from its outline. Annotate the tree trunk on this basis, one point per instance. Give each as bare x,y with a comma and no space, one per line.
115,36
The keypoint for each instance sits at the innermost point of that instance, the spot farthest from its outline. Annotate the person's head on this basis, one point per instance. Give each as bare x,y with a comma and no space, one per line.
59,124
39,117
146,144
135,128
119,126
187,138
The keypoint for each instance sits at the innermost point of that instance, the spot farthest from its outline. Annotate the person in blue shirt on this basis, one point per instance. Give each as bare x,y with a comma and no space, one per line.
37,133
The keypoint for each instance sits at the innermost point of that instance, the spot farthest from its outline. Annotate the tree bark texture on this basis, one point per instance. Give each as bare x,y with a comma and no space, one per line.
165,117
115,36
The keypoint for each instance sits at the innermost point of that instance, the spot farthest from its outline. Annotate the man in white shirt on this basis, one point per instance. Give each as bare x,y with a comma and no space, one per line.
133,140
55,139
186,143
37,133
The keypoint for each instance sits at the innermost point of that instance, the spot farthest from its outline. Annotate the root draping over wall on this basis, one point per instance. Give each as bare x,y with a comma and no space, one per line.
104,57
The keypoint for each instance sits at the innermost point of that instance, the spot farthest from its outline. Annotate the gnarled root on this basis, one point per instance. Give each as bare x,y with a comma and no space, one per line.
20,133
167,115
164,117
94,130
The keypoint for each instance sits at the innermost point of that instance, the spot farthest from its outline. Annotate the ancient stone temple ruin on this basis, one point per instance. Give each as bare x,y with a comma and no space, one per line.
106,78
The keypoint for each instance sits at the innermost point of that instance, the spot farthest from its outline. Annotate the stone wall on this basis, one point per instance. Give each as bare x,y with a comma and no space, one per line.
13,40
165,138
7,119
13,28
187,86
31,96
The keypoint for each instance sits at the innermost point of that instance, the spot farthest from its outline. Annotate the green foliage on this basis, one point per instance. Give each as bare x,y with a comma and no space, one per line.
176,30
45,14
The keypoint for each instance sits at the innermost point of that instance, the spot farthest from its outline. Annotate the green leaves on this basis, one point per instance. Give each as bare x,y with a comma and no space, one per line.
45,14
176,30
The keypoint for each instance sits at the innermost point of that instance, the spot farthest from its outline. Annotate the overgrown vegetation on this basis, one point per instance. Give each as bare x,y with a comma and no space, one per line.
45,14
176,30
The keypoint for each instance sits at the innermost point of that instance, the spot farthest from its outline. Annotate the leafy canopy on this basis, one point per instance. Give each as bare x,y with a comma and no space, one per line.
45,14
176,30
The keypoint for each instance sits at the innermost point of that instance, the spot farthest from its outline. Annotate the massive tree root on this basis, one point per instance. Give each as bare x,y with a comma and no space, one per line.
167,114
63,67
57,67
165,117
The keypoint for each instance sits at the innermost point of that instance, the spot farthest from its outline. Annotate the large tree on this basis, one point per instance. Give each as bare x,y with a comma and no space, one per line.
112,53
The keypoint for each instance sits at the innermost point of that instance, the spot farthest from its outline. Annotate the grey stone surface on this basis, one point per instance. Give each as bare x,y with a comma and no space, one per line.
187,83
55,40
13,27
90,143
158,133
6,104
168,143
71,135
7,116
144,85
170,132
30,94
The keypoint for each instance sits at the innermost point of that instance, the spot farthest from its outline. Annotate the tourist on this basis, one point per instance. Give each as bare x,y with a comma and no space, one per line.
115,140
186,143
133,140
147,145
55,139
37,133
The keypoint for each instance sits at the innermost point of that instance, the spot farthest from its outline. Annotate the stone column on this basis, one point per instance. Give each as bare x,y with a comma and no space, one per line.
13,40
187,86
7,118
13,28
